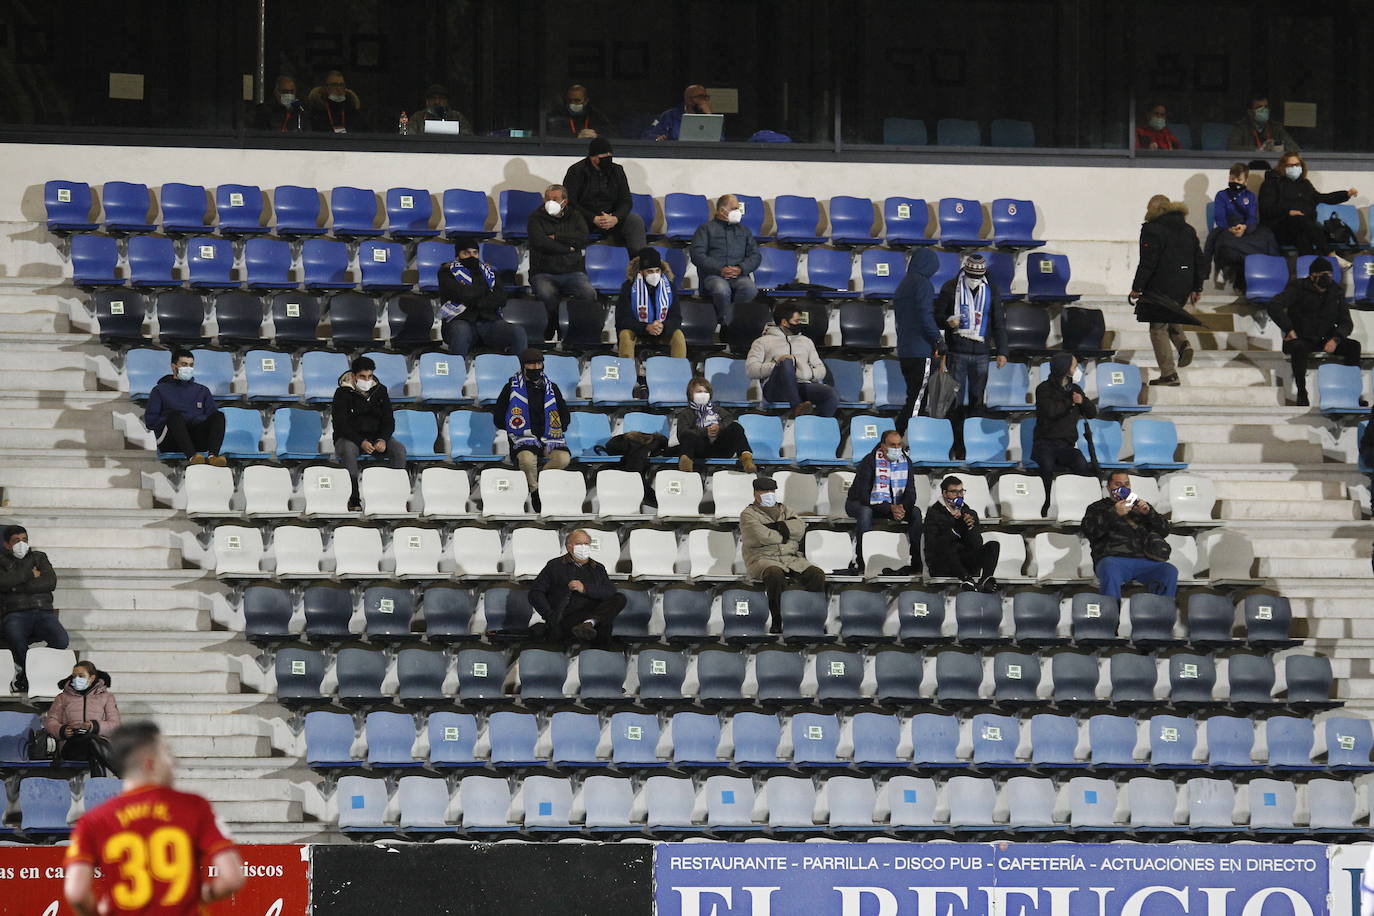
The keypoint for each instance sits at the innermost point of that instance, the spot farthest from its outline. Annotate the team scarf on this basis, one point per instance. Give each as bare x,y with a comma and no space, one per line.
707,415
889,478
662,294
463,275
972,308
518,413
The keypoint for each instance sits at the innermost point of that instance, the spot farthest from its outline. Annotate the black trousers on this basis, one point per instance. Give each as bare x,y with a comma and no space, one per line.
695,444
812,579
1298,349
914,370
970,562
1303,233
206,437
1055,457
601,613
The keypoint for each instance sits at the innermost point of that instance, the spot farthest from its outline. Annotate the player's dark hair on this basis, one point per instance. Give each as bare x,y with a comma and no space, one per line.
130,739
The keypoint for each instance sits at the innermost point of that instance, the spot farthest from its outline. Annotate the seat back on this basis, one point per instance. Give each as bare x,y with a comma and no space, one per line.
851,219
297,210
1265,276
904,132
957,132
239,208
795,217
1012,133
408,212
185,208
1028,326
354,211
683,213
514,208
465,213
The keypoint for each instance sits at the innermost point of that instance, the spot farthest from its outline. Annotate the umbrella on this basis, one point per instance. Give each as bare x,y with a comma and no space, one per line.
1158,307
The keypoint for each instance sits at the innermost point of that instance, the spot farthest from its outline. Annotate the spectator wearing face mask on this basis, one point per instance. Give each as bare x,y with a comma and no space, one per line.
364,423
576,118
883,489
1288,206
771,540
1312,314
473,299
1155,132
1059,405
436,109
334,108
668,125
706,430
786,361
726,255
1127,537
1257,131
27,616
82,716
954,542
647,312
598,189
918,337
1236,231
183,414
575,596
284,112
969,308
535,417
558,238
1169,275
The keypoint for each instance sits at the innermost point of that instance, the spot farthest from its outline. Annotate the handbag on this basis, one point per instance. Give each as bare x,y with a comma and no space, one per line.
942,392
1156,548
40,745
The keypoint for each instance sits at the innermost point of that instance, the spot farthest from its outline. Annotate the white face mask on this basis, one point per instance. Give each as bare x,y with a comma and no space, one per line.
653,278
364,384
894,454
582,551
576,107
701,397
80,683
768,500
1293,171
186,373
287,98
20,549
337,97
552,207
734,216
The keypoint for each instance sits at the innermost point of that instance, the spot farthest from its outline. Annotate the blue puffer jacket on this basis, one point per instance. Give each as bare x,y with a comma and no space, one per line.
171,395
913,308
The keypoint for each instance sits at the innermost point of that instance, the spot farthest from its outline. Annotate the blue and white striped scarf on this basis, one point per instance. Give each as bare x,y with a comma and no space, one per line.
518,417
889,478
971,307
662,296
463,275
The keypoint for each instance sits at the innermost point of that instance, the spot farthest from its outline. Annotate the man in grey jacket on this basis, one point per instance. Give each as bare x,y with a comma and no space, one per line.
771,538
791,370
726,255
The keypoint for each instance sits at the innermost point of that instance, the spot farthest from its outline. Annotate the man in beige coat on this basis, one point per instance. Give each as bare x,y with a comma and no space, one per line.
771,535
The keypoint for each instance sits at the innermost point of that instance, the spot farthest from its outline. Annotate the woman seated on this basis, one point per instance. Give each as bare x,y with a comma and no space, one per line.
1288,206
82,716
706,430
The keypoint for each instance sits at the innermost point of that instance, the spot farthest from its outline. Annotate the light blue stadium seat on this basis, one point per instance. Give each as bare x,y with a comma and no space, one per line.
1339,389
354,213
99,789
815,740
1047,278
1154,443
215,370
831,268
1111,740
847,378
515,208
634,740
392,371
929,442
1265,276
606,267
381,265
239,208
696,737
1118,388
320,371
756,736
513,736
1106,441
1173,740
1054,739
1008,387
422,802
817,441
127,205
43,805
243,433
390,736
864,432
935,741
1013,224
851,221
961,223
957,132
452,739
1231,743
566,373
1290,740
68,205
889,385
362,804
585,432
143,367
491,371
876,738
429,257
14,736
986,442
418,431
442,378
1348,743
613,381
667,378
575,736
765,435
638,421
297,211
408,213
729,381
995,739
298,433
905,220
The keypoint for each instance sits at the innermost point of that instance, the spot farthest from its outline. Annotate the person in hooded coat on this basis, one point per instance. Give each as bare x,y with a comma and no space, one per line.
918,337
1059,405
1172,267
82,716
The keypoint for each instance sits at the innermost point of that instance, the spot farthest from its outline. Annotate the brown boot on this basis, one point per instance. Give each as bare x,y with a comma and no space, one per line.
684,464
805,408
746,463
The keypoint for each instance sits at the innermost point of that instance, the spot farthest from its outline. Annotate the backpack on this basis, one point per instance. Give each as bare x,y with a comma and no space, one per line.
635,449
40,745
1338,232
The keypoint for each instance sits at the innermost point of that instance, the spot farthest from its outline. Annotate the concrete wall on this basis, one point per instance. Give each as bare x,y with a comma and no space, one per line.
1090,213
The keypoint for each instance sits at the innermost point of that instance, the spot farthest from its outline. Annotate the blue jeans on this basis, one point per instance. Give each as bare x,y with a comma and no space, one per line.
25,627
551,289
863,523
971,374
494,335
725,293
1159,577
782,385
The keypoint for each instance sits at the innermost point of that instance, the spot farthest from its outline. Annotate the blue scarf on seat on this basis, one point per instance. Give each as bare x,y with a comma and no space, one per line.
463,275
889,478
662,295
518,414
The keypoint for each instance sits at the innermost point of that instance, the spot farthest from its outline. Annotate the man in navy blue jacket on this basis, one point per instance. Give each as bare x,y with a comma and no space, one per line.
918,336
184,415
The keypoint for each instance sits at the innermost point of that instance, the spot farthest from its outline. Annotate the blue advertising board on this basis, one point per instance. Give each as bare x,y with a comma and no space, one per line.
997,879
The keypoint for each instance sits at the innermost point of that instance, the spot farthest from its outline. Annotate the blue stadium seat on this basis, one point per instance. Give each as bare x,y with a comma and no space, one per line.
839,672
119,314
696,736
152,261
754,213
634,740
643,206
472,436
817,442
686,612
986,443
68,205
238,317
505,260
1303,266
864,430
1047,278
803,616
513,736
777,267
184,209
215,370
566,373
267,264
995,739
126,207
1309,681
852,221
515,208
210,263
95,261
300,672
756,737
491,371
1348,744
1154,443
574,737
862,615
542,673
298,432
638,421
325,264
661,671
43,805
180,316
354,213
889,385
99,789
832,269
408,213
1007,132
1192,680
815,740
1111,742
765,435
881,271
876,737
1230,743
1339,389
243,433
352,320
861,326
429,257
606,267
601,674
720,673
1362,273
295,319
1054,739
1106,441
796,219
930,441
1215,136
361,804
667,378
143,367
15,727
239,208
613,381
1118,389
847,378
390,736
729,381
1008,387
1290,740
899,672
381,265
452,739
935,740
1265,276
682,214
1002,273
1013,224
1348,214
947,266
297,211
957,677
1173,741
465,214
442,378
905,220
328,610
267,611
904,132
409,321
586,431
418,431
481,674
978,617
957,132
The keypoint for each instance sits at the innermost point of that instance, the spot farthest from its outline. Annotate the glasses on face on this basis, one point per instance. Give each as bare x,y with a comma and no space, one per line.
953,493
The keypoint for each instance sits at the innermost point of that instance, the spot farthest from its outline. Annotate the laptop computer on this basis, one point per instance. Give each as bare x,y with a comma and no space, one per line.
705,128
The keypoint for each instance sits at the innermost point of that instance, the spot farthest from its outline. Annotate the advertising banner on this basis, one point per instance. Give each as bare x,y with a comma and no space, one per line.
930,879
278,882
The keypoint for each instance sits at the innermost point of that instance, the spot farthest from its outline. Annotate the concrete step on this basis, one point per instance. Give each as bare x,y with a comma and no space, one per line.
71,594
102,619
209,704
103,439
81,497
219,746
1333,548
47,380
1196,376
1137,337
1231,489
1316,568
1251,453
257,812
114,557
45,359
98,478
67,538
46,414
1209,396
37,323
164,642
152,682
1285,510
1210,429
259,788
152,661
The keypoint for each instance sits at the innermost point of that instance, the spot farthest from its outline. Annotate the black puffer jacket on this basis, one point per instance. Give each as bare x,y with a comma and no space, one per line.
20,589
1171,261
1112,535
359,416
1280,194
1311,313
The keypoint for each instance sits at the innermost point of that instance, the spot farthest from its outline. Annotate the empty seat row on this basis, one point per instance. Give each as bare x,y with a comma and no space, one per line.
48,806
865,740
790,806
357,674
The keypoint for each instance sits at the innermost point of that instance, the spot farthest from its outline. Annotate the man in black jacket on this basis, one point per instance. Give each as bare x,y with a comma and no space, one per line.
954,545
27,582
883,489
284,112
1127,537
473,299
647,312
599,190
531,410
1172,265
1059,404
557,240
363,422
1312,314
574,594
576,118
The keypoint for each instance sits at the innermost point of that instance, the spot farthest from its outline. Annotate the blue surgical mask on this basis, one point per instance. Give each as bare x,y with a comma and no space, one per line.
1293,171
186,373
1261,115
80,683
1157,123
